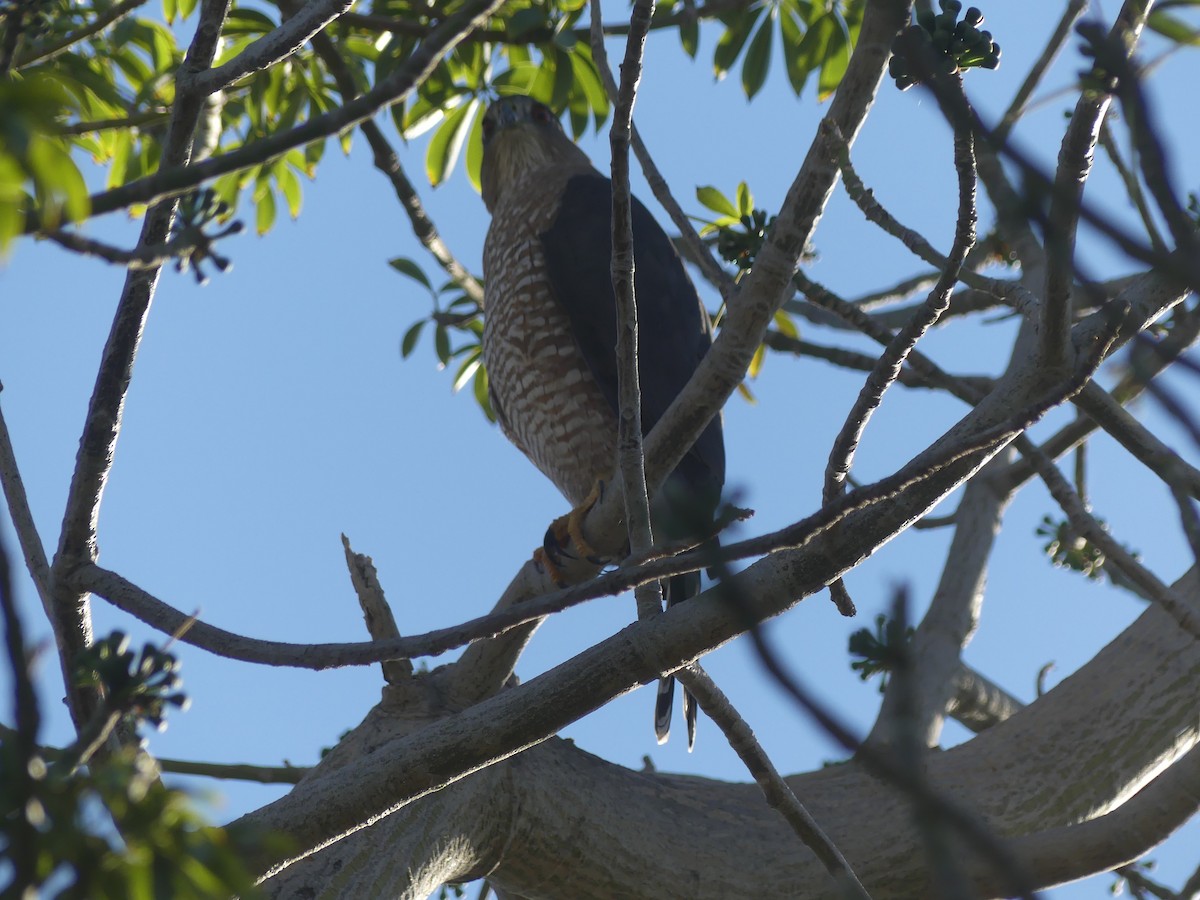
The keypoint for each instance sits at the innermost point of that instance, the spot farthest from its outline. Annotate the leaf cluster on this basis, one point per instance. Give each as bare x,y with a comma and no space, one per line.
814,36
142,685
112,831
1068,550
881,651
454,314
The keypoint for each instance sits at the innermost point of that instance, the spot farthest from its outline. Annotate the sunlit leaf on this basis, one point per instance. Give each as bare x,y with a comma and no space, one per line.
264,216
716,201
745,200
837,59
482,397
447,142
289,184
1173,29
785,324
474,157
467,370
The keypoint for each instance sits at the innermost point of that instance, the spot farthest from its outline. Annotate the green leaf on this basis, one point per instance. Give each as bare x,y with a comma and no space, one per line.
526,20
482,397
264,216
716,201
169,10
587,80
406,266
785,324
467,370
758,58
564,80
729,47
441,345
1173,29
810,53
837,59
791,33
186,8
447,142
474,158
289,184
745,200
409,342
689,34
246,21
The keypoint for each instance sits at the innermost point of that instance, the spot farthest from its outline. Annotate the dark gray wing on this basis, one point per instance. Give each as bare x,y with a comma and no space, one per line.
674,333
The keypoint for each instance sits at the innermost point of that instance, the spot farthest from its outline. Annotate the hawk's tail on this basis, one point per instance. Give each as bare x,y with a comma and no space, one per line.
676,589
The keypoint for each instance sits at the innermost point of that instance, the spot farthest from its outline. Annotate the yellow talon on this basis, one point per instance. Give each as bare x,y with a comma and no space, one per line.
542,560
568,531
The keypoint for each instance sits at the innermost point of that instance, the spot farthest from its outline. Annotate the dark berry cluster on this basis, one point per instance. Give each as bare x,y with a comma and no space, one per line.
957,44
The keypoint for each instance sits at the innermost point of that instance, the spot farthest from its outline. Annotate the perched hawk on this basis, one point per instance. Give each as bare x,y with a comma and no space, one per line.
550,329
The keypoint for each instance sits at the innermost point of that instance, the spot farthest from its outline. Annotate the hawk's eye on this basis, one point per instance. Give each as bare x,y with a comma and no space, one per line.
542,114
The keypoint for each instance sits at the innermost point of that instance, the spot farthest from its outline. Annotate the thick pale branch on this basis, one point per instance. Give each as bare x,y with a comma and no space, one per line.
776,790
953,615
1075,776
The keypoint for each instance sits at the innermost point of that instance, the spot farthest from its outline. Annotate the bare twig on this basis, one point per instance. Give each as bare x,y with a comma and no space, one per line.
695,248
51,49
1133,187
388,162
231,771
886,766
630,457
1058,39
371,22
887,369
377,614
143,256
741,738
1012,292
22,518
863,362
136,120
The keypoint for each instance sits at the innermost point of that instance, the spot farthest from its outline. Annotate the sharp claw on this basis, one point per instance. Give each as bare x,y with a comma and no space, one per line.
542,560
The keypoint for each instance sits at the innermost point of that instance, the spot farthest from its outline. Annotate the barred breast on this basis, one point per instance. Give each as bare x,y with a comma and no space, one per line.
543,393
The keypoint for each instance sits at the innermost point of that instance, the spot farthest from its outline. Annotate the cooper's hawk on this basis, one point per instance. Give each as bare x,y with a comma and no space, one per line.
550,331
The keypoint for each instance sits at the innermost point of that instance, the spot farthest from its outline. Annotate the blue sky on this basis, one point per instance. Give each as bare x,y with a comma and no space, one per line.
270,411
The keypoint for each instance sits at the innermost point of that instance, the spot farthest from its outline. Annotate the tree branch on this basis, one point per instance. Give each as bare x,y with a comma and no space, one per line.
309,19
51,49
71,616
387,162
887,369
176,179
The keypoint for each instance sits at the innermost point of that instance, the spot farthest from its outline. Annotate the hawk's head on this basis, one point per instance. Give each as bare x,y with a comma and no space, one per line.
521,136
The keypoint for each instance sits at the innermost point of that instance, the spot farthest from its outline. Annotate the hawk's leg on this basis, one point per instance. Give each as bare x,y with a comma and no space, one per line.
567,531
